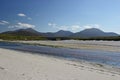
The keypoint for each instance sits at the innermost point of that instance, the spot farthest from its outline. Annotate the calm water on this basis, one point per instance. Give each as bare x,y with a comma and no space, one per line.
109,58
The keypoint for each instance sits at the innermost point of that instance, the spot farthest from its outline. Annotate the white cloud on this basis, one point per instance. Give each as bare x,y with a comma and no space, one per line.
22,25
92,26
29,18
4,22
52,24
25,25
73,28
24,15
63,27
21,15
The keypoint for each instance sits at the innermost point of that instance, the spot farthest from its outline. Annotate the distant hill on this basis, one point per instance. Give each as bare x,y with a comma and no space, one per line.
87,33
63,33
60,33
23,32
93,32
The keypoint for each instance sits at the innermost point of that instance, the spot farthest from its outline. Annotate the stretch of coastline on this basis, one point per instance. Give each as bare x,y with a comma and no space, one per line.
21,65
17,65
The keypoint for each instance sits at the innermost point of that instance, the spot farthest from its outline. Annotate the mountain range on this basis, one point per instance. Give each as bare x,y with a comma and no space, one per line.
87,33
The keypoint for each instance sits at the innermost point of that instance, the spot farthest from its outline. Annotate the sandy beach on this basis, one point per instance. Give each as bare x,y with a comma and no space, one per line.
16,65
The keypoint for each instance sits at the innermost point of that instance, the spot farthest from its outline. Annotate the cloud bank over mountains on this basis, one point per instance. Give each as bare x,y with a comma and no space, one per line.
73,28
22,25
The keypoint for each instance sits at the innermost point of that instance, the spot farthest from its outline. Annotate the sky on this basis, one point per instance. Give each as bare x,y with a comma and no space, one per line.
54,15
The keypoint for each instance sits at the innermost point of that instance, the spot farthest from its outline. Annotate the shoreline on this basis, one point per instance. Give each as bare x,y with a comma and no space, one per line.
112,46
61,56
12,64
101,66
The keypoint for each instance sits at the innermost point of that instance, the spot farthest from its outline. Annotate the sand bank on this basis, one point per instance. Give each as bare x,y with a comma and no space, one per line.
77,44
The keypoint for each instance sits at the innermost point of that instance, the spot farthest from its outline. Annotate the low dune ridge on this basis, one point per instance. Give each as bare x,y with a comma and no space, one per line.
16,65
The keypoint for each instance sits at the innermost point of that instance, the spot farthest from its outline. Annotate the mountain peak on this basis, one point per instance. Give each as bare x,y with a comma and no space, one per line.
93,28
63,31
23,32
31,30
93,32
27,29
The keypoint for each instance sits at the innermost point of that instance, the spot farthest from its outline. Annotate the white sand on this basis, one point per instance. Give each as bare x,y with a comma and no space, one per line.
15,65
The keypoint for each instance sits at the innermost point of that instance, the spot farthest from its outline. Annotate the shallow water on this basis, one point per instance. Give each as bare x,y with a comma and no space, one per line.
109,58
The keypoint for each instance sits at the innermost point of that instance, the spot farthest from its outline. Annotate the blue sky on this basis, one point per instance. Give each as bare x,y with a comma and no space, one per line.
54,15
